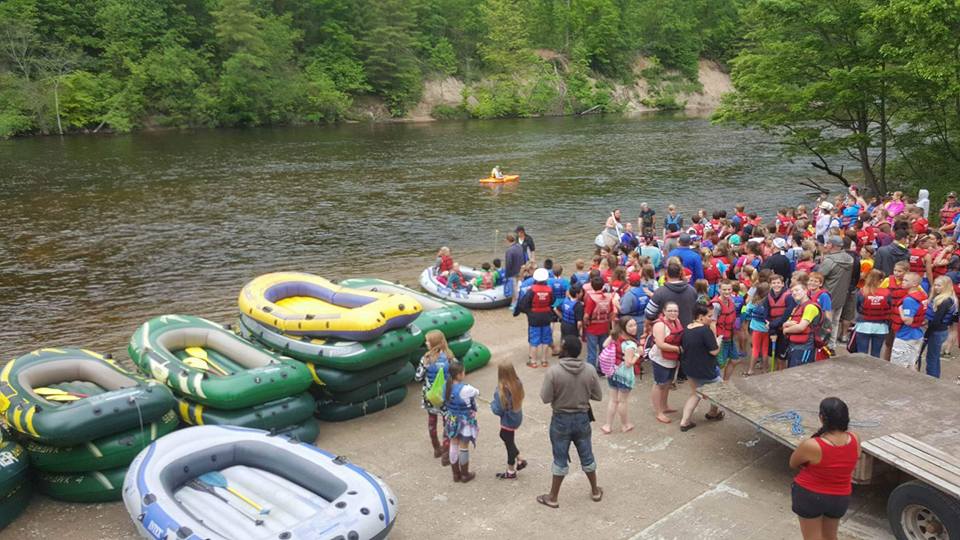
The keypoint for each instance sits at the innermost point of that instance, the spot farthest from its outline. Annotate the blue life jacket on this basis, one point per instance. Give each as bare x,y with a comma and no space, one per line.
640,301
441,363
457,406
581,277
758,312
559,288
568,310
674,220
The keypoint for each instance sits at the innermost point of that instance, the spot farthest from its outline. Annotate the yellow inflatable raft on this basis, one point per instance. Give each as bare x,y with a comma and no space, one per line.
308,305
507,178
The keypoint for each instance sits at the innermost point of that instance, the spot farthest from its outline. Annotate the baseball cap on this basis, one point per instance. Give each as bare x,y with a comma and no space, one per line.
826,205
734,239
634,278
779,243
541,274
684,238
952,194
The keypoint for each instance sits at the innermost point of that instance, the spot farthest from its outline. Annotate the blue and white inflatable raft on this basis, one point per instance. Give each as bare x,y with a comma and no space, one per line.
224,482
475,299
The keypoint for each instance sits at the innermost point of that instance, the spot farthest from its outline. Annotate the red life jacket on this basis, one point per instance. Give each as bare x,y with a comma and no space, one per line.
815,297
620,287
920,318
711,272
807,336
486,280
777,306
674,337
947,214
542,300
619,357
727,318
784,225
897,294
917,264
939,270
876,306
603,306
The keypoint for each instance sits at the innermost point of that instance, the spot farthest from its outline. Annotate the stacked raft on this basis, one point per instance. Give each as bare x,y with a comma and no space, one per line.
82,418
14,483
220,378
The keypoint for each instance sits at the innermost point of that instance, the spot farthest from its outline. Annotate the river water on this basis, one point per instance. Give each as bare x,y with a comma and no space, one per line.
100,234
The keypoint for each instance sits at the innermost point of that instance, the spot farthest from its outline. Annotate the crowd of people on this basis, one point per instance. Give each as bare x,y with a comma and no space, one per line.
704,299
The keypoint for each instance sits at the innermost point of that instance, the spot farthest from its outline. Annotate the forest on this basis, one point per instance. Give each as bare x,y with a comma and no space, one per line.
870,85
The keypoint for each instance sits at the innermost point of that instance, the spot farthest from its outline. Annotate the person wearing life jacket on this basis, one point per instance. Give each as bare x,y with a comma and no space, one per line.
599,309
664,355
487,278
947,214
909,338
537,303
941,314
894,284
874,306
634,302
496,173
779,306
456,280
921,262
944,251
558,286
800,329
570,312
461,422
624,337
820,296
725,313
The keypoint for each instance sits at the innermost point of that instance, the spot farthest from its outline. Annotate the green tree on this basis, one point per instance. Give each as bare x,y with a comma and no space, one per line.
391,64
506,45
813,73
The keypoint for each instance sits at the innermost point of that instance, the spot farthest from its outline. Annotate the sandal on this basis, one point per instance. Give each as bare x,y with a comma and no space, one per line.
531,364
597,497
542,499
543,363
521,464
746,374
687,427
718,416
507,475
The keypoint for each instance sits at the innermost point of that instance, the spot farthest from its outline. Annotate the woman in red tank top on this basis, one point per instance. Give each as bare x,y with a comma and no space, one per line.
821,490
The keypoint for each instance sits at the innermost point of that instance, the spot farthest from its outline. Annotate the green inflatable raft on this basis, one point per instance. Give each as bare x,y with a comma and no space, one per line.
65,397
278,413
459,346
334,354
334,411
14,482
333,380
104,453
212,366
475,358
451,319
85,487
376,388
306,431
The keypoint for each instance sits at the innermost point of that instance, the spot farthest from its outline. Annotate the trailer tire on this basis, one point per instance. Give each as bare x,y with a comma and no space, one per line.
917,511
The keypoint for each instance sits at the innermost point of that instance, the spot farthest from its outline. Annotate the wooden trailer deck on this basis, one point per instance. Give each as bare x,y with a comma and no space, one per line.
893,399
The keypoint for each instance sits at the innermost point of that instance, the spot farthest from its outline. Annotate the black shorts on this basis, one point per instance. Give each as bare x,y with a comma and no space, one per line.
810,505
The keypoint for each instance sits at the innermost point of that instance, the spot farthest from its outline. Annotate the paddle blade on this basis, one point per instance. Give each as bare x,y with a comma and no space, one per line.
44,391
196,363
198,352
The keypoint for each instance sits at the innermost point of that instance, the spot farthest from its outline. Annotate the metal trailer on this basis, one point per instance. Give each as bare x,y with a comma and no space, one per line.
915,441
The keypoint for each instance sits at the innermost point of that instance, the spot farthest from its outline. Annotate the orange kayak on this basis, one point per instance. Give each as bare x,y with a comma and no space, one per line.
506,179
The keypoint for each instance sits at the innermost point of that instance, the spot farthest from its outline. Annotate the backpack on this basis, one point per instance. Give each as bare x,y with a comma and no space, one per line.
436,395
607,359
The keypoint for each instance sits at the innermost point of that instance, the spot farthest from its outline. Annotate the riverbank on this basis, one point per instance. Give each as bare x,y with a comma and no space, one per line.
709,483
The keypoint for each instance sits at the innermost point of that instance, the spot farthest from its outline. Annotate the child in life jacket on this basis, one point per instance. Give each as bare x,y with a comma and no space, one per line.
570,312
437,358
443,264
461,423
725,314
497,272
581,275
757,313
487,278
537,303
456,281
507,403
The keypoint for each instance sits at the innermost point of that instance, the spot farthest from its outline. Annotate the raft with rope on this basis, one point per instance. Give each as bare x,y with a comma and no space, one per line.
276,414
303,304
208,364
107,452
65,397
335,411
223,482
332,353
14,479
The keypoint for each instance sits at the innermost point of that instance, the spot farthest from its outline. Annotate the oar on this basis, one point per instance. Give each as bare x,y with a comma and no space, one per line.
198,363
56,394
217,479
198,352
202,487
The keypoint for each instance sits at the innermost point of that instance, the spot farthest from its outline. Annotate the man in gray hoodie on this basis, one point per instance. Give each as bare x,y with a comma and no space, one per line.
568,387
837,269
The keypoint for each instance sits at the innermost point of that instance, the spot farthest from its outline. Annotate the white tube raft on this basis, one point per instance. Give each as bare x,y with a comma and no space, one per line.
475,299
225,482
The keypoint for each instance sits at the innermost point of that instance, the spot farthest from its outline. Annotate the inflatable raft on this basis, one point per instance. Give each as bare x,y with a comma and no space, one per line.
376,388
219,482
344,381
475,299
82,487
475,358
450,318
507,178
14,481
65,397
334,354
335,411
276,414
104,453
212,366
303,304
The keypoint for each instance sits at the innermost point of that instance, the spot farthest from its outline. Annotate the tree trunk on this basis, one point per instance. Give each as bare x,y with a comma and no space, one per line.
882,180
56,103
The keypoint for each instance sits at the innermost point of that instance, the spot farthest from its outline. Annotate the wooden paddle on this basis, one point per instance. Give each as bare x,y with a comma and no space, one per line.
200,354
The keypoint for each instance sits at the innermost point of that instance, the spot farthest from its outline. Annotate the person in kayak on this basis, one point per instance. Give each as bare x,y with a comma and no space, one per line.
496,173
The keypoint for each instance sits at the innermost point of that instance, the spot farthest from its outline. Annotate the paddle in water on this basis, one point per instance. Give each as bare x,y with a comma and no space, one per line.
200,354
217,479
203,487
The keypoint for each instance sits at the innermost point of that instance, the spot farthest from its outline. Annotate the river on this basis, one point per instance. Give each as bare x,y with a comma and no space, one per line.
101,233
